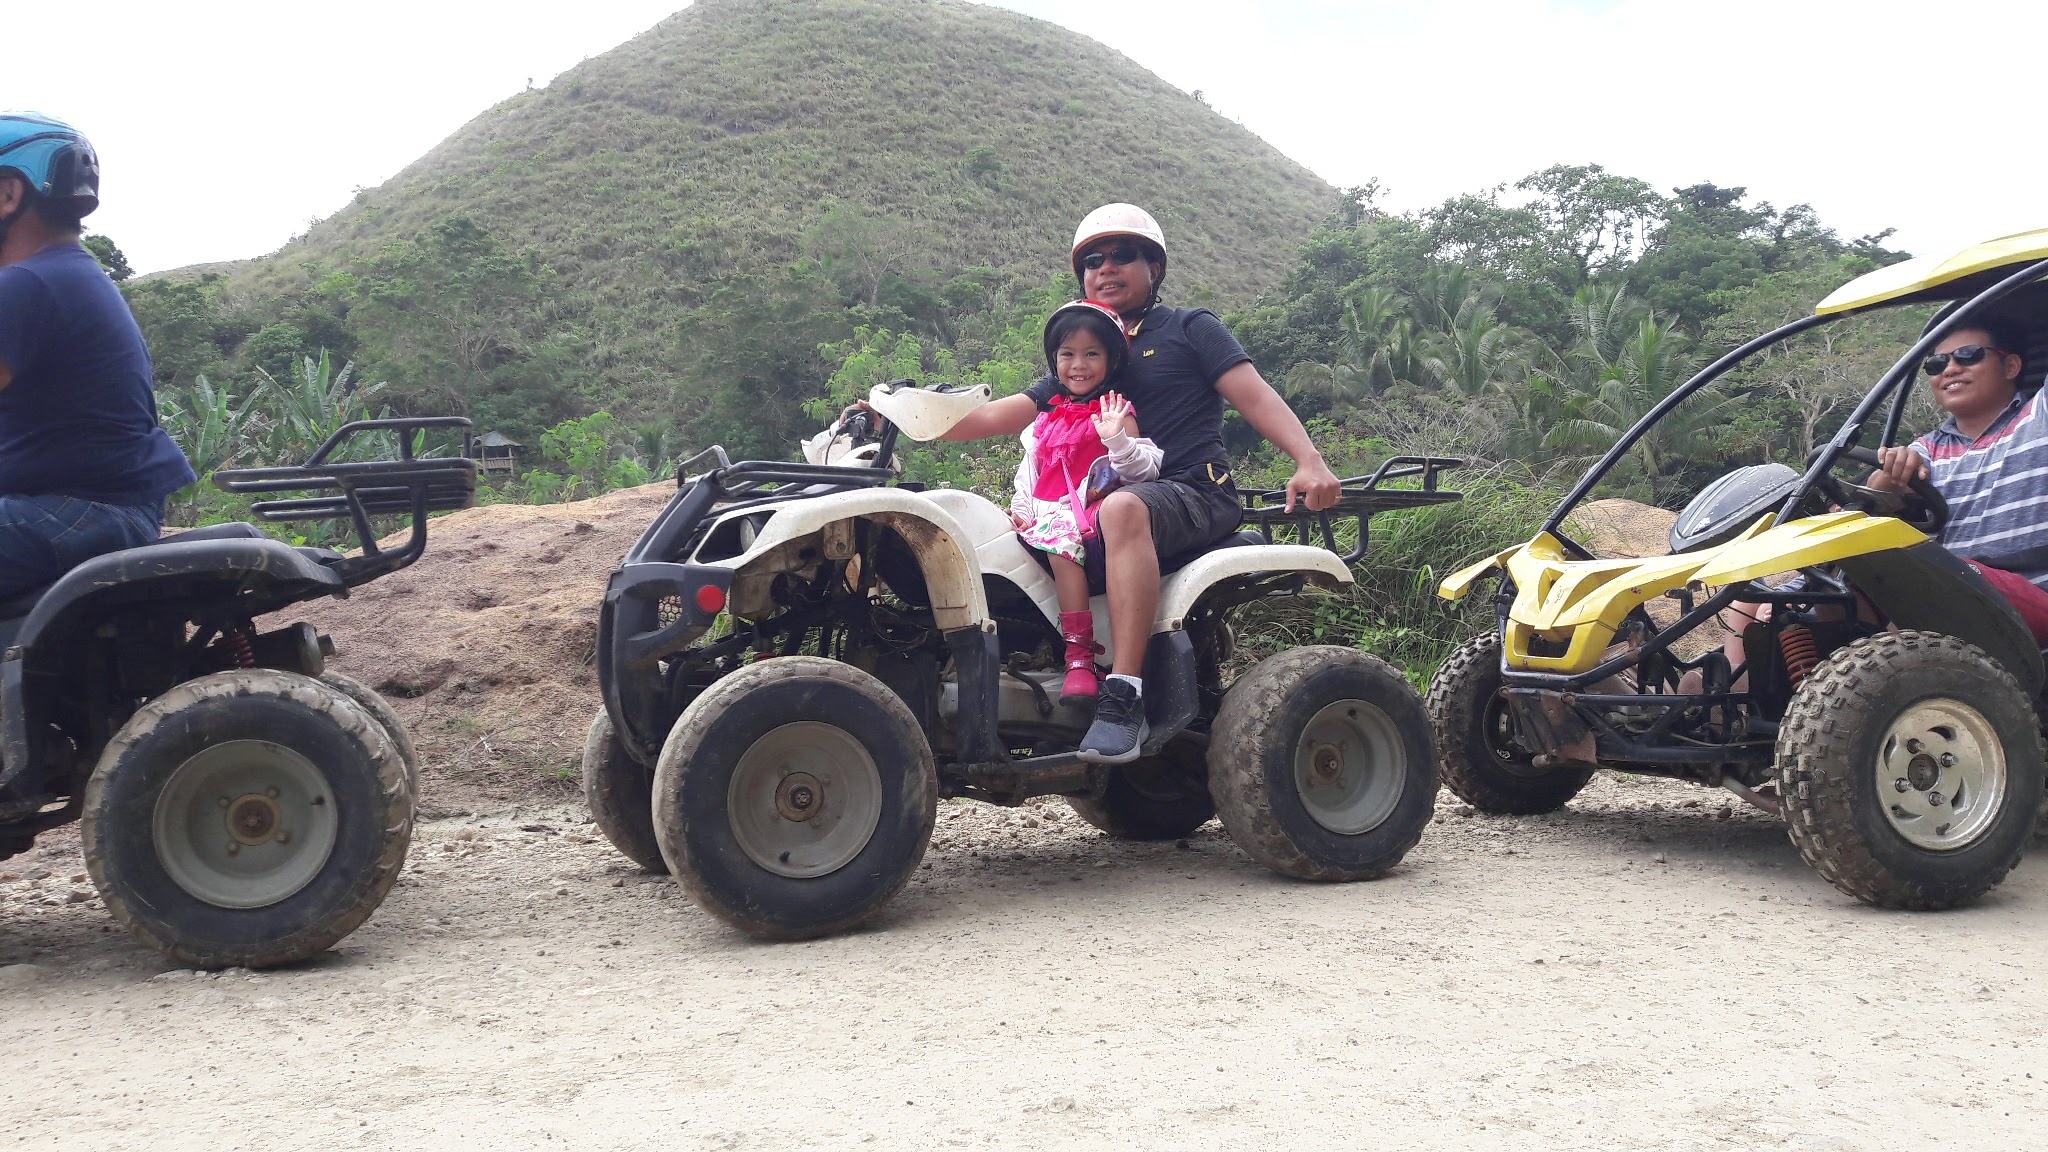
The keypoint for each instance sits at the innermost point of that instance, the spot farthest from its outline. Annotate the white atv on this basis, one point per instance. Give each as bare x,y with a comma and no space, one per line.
916,655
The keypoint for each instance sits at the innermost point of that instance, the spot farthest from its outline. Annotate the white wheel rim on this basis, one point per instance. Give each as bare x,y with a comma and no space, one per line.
1941,775
1350,767
245,824
804,800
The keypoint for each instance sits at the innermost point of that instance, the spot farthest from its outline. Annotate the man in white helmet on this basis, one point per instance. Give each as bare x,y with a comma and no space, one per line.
1184,366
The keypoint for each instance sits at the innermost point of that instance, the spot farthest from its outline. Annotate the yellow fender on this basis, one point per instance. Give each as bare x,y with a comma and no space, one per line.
1460,582
1805,542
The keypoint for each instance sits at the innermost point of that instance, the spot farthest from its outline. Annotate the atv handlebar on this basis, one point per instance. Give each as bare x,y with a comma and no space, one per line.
409,485
1361,498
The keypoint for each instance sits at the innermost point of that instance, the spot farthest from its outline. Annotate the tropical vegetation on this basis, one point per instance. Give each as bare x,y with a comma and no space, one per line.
735,224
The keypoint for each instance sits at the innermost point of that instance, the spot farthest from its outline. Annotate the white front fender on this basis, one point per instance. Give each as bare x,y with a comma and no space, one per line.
951,573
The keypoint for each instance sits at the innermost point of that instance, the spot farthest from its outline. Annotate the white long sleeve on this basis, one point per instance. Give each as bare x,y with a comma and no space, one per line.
1135,458
1022,502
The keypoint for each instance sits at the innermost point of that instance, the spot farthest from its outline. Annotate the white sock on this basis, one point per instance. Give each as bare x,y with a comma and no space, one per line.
1137,685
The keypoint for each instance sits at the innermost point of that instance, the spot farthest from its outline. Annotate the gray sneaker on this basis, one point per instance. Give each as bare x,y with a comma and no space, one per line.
1119,729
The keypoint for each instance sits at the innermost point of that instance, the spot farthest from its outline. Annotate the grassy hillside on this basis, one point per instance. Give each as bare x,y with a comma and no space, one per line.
716,138
746,180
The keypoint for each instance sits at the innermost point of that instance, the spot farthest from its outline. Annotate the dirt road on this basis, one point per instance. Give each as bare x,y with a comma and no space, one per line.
1633,973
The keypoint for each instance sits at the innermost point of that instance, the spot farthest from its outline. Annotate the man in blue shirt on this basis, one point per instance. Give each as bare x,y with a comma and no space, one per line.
84,466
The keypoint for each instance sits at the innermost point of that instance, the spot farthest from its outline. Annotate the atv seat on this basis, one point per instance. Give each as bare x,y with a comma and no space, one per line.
22,603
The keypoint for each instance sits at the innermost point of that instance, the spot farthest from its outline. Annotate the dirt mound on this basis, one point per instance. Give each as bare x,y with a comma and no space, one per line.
486,645
1623,528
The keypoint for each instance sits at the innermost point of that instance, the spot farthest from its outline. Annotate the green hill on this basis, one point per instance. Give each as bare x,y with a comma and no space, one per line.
676,209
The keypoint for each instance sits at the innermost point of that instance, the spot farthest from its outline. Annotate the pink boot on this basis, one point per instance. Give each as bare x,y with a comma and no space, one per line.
1078,630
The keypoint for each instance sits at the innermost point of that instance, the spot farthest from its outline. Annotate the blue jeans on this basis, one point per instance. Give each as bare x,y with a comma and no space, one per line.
43,537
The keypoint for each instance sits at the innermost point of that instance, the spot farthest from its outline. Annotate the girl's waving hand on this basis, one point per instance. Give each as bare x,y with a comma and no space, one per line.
1114,418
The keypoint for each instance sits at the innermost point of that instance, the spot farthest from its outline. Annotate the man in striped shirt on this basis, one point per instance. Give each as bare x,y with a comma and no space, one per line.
1989,460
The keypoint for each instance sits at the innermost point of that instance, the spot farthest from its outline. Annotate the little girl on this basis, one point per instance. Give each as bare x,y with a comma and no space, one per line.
1083,445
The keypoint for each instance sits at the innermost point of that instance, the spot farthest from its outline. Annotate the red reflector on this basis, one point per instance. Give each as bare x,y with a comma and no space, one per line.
710,599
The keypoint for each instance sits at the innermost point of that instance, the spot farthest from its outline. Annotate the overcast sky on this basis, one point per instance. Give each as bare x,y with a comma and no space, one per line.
224,127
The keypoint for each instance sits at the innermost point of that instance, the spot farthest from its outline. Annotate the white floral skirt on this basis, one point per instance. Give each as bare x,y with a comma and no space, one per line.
1055,531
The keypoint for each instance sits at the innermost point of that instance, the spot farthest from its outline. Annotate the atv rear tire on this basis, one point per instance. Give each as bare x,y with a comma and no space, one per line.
1321,764
1161,797
247,818
377,706
620,793
794,797
1911,769
1482,765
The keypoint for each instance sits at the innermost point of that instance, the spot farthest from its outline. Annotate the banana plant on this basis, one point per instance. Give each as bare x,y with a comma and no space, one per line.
213,427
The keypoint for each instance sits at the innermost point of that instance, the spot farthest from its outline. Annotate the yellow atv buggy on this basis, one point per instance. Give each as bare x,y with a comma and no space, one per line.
1888,706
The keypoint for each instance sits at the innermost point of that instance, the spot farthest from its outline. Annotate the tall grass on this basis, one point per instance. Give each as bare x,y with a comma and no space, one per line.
1392,608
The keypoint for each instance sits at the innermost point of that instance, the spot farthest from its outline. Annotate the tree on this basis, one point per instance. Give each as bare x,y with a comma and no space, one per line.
1620,371
110,257
861,252
448,308
1801,386
1596,220
587,449
183,325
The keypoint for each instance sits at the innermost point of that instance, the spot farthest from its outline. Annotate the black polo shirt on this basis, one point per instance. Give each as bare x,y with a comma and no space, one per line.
1177,356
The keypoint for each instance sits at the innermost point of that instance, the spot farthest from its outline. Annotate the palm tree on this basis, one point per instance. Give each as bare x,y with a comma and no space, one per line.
1451,297
1631,370
1372,335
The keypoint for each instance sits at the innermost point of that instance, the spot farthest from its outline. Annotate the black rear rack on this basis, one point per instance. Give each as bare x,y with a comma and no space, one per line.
1362,499
408,486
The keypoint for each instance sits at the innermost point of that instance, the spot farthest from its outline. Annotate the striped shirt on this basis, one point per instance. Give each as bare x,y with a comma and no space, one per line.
1996,487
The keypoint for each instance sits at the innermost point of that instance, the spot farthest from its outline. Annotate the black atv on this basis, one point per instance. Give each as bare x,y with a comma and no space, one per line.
241,804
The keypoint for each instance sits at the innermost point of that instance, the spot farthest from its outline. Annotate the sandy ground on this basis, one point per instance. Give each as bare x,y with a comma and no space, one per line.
1638,972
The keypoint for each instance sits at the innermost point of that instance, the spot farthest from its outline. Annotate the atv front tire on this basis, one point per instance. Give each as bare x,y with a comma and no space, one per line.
619,791
1161,797
1321,764
1911,768
794,797
1482,765
380,708
247,818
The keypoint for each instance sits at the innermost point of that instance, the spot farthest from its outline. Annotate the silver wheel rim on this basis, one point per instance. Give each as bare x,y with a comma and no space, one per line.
804,800
1941,775
1350,767
245,824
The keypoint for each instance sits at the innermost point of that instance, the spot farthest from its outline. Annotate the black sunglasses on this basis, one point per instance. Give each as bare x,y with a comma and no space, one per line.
1967,355
1120,255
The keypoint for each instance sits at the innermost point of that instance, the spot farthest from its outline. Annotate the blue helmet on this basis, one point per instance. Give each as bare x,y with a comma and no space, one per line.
55,158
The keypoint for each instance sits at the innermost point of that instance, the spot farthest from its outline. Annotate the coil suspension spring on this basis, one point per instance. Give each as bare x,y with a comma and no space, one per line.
1801,654
238,645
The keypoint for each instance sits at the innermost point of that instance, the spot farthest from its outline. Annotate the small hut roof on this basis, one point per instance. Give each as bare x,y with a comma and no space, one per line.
498,440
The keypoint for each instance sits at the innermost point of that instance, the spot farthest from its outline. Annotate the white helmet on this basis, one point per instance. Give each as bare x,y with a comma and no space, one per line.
1120,220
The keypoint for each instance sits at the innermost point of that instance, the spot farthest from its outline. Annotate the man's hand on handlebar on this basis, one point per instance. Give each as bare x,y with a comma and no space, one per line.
1901,467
